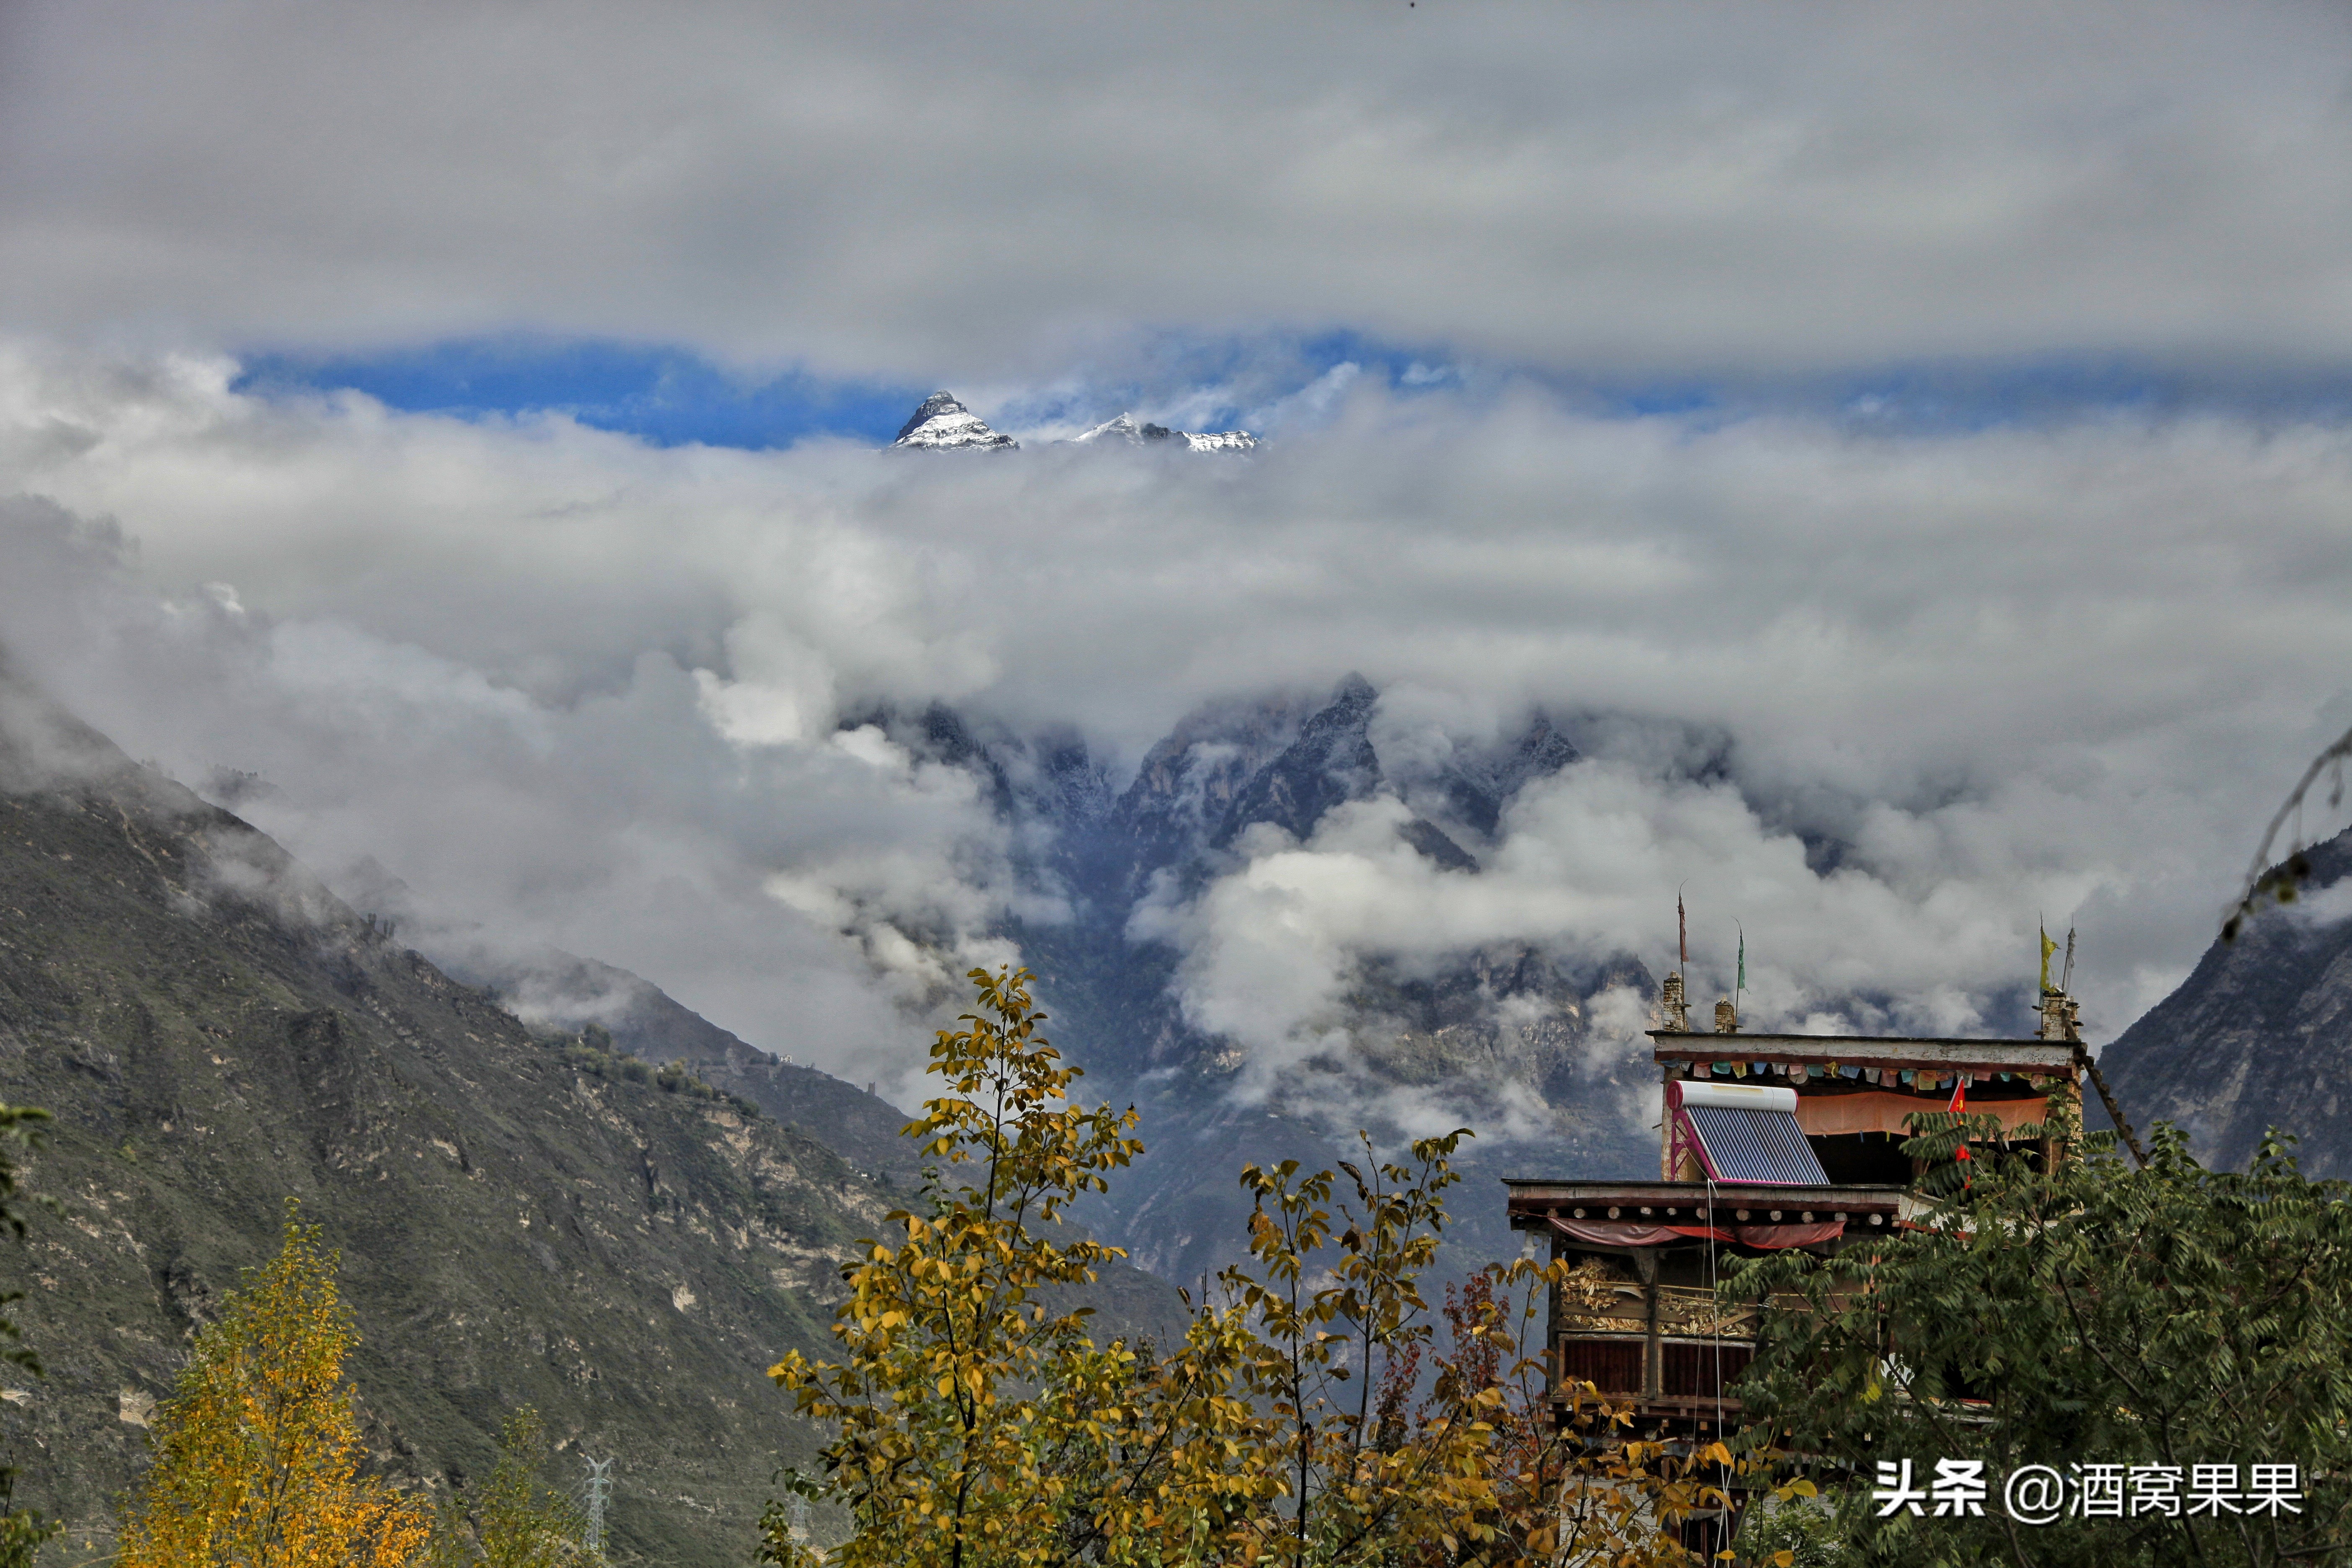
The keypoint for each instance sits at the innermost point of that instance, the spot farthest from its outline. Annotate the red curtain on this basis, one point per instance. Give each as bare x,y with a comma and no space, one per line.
1630,1233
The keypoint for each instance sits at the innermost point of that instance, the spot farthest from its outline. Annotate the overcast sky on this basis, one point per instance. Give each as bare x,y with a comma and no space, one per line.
462,416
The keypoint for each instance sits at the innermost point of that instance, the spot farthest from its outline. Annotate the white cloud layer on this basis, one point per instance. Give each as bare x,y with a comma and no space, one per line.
571,689
973,194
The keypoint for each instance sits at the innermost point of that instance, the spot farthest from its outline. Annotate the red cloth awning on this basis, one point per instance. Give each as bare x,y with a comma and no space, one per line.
1631,1233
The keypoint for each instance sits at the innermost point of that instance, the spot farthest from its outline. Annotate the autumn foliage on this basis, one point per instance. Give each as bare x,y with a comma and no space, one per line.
258,1450
1313,1414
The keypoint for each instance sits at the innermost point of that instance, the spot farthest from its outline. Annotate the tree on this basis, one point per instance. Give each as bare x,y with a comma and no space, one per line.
1484,1469
1571,1482
970,1426
518,1521
2088,1314
960,1385
2285,880
258,1450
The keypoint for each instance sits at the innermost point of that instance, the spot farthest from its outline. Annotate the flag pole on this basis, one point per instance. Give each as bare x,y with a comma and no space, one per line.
1739,980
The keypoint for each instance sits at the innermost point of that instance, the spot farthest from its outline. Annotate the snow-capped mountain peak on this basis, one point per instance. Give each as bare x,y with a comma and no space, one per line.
942,425
1124,430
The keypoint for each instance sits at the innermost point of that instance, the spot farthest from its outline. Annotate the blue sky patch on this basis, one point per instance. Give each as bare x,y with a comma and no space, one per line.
669,396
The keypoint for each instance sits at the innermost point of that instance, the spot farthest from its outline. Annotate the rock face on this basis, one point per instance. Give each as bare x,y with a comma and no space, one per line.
2260,1034
582,996
1125,431
524,1216
944,425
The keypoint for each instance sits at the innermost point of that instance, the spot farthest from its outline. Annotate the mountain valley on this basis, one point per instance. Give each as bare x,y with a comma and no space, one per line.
554,1185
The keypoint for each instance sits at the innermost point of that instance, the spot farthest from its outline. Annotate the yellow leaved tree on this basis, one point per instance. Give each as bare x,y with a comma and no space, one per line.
1311,1418
962,1389
258,1450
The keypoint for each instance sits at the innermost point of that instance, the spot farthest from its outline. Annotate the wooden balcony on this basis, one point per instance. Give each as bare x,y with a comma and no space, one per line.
1638,1317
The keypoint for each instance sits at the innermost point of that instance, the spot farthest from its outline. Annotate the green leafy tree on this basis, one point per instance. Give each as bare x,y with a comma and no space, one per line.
2090,1314
516,1520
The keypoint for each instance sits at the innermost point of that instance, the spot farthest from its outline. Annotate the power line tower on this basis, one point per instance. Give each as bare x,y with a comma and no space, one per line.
600,1487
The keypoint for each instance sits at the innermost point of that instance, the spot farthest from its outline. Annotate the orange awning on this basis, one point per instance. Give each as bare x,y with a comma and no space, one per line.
1876,1110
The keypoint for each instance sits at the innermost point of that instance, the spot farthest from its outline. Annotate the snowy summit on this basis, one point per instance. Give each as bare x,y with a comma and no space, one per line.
942,425
1125,430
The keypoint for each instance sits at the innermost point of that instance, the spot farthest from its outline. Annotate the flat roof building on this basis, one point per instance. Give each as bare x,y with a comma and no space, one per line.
1766,1143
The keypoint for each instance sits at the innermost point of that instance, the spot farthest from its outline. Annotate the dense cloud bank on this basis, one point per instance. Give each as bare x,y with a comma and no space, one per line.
1881,697
991,195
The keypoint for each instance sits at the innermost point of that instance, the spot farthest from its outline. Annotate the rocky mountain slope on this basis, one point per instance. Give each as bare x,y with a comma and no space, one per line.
2260,1034
627,1012
524,1216
944,425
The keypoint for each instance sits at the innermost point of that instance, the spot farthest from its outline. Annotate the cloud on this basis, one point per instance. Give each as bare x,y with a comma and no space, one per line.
975,197
623,823
1882,695
1906,937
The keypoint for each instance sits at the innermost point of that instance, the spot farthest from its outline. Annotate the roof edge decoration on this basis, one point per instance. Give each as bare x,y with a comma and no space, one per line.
2050,1057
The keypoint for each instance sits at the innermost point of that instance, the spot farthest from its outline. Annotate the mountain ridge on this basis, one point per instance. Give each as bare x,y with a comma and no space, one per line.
524,1215
2253,1037
1123,430
943,424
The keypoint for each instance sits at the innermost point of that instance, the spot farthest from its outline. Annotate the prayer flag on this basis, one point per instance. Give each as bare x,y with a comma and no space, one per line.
1960,1107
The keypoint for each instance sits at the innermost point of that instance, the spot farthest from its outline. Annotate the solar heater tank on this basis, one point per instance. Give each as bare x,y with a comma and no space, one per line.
1682,1091
1743,1133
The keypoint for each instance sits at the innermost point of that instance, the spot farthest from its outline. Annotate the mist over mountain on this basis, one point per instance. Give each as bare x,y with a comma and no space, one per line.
1871,483
1535,1047
546,987
1123,431
588,696
525,1215
797,738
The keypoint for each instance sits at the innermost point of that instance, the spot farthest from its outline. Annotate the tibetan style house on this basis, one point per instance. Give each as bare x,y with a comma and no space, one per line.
1768,1142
